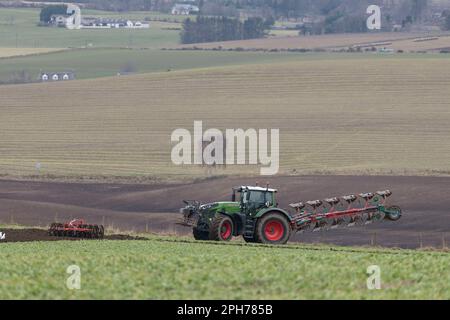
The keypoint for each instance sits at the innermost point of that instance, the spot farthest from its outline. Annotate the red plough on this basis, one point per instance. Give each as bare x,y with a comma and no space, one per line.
348,211
77,228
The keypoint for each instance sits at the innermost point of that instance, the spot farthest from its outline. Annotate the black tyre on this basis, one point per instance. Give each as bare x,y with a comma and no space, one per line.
101,233
200,234
393,213
251,240
51,230
273,228
222,228
96,231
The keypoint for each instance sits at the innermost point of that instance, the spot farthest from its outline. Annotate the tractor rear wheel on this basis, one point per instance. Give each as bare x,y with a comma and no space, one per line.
221,228
200,234
273,228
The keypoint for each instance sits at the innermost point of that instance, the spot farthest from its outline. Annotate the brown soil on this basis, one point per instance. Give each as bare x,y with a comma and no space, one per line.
23,235
407,41
424,200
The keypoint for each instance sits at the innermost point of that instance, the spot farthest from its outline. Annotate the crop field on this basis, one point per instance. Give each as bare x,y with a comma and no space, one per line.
94,63
18,28
177,268
398,41
14,52
355,114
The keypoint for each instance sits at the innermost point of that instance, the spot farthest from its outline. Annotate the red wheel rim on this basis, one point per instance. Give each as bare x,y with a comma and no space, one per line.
273,230
225,230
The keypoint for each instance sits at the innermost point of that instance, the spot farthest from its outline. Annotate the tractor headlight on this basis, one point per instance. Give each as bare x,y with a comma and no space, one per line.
206,207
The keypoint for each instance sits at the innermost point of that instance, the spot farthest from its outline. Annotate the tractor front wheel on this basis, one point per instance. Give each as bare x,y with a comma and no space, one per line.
221,228
273,228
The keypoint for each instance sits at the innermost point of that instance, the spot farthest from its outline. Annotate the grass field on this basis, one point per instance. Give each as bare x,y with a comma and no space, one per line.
138,15
167,268
93,63
18,28
353,114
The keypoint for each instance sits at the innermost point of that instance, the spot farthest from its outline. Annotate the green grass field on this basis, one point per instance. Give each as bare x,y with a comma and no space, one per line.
167,268
93,63
18,28
138,15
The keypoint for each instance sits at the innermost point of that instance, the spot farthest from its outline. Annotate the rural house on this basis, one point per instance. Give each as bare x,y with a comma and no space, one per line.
62,20
56,76
184,9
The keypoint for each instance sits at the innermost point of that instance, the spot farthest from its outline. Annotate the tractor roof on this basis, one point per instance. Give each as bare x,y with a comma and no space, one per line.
253,188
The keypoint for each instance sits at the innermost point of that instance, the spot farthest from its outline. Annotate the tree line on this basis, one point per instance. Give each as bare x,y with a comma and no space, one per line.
48,11
211,29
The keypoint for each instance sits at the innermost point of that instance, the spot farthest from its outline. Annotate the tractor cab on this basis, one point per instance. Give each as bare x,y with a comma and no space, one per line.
252,199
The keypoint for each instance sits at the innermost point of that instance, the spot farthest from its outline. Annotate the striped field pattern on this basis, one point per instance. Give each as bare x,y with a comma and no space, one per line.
362,115
15,52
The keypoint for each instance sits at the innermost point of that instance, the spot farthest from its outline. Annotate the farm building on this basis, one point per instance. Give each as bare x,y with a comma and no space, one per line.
184,9
56,76
70,20
104,23
62,20
67,21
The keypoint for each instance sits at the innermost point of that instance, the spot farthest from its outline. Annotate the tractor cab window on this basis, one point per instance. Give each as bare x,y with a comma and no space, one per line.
259,198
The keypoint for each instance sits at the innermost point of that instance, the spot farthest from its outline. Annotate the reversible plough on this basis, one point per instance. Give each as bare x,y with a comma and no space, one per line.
345,211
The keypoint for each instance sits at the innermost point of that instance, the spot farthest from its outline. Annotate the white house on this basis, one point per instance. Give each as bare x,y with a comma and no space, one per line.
184,9
57,76
73,20
60,20
70,20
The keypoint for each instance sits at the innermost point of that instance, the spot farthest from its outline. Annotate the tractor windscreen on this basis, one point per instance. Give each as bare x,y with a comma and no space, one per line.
259,197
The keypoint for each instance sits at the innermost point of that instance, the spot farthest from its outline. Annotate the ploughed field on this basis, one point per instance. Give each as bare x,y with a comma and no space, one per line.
403,41
354,114
154,207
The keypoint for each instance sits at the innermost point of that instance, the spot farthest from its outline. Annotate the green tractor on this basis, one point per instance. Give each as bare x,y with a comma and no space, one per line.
258,219
255,216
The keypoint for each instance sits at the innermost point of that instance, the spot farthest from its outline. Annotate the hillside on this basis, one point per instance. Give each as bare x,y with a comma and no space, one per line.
376,109
176,268
19,29
106,62
404,41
